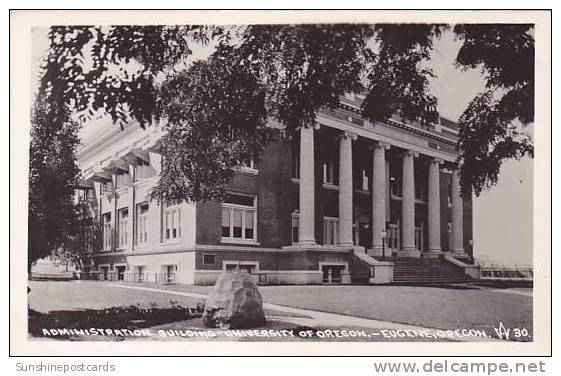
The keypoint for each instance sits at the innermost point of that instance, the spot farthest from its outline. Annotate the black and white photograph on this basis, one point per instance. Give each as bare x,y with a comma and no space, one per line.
357,178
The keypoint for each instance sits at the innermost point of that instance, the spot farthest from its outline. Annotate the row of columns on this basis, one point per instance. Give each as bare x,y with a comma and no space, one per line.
306,228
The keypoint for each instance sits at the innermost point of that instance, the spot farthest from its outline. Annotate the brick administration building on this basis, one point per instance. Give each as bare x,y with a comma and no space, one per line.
346,201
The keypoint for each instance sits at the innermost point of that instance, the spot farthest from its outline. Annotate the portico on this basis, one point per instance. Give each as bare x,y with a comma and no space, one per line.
406,208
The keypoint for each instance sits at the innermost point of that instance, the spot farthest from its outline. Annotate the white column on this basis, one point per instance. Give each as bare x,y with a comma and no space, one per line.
346,189
457,214
388,199
132,207
114,214
306,224
378,196
434,206
408,206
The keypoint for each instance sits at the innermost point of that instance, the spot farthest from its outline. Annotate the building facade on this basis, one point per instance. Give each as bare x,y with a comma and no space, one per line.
339,202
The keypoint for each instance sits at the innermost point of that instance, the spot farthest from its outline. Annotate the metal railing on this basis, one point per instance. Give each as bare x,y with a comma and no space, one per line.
506,273
115,276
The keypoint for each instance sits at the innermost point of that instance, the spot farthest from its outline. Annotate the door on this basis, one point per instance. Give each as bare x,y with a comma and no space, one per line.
121,272
104,272
393,238
364,235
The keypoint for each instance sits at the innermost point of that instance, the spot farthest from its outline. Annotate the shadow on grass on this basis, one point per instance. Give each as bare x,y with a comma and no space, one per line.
116,318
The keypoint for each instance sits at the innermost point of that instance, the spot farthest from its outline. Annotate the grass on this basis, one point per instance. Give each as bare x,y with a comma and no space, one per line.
431,307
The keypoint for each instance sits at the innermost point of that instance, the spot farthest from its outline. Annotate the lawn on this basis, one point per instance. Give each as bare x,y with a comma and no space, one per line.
442,308
433,307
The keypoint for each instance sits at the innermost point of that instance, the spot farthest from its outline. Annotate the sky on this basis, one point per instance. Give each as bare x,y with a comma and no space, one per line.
502,228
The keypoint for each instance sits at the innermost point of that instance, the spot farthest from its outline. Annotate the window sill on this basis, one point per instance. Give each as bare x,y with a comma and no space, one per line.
238,241
249,170
330,186
362,191
170,242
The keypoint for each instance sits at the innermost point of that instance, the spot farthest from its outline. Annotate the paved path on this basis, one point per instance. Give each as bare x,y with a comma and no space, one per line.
324,318
514,292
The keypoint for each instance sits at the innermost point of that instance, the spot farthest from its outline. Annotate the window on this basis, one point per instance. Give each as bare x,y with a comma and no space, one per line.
295,224
395,187
420,191
393,240
168,273
296,164
332,273
107,231
89,238
142,223
209,259
364,181
241,268
122,179
172,222
329,172
140,273
123,227
239,218
105,187
248,164
84,194
330,230
142,169
419,240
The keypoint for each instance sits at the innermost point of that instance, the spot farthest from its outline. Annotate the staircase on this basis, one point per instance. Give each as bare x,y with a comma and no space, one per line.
416,271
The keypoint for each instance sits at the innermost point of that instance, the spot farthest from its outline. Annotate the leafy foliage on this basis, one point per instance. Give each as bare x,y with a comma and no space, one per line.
399,83
217,119
215,109
305,67
488,131
114,70
53,175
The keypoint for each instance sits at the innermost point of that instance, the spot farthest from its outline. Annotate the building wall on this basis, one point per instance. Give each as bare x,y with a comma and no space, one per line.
272,266
270,184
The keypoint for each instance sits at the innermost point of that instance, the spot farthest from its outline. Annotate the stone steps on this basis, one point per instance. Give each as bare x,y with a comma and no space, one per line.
427,271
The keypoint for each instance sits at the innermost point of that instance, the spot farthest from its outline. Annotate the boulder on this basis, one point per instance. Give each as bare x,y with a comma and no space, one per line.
234,303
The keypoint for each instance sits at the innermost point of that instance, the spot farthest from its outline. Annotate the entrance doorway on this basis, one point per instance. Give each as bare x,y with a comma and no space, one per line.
394,238
364,235
121,272
104,273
